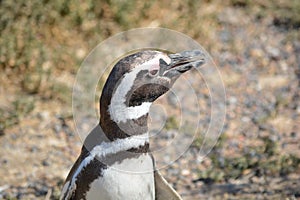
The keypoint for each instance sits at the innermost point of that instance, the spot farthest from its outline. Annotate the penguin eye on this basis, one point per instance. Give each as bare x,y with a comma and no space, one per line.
153,73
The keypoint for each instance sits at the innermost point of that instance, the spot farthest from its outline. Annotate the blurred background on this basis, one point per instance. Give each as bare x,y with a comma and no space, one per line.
256,45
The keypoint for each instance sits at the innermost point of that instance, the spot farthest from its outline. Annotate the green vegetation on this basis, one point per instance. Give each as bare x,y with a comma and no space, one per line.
260,161
41,41
36,33
171,123
284,14
20,108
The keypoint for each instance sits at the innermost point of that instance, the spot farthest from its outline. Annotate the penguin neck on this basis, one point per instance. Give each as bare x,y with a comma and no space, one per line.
120,118
130,125
119,130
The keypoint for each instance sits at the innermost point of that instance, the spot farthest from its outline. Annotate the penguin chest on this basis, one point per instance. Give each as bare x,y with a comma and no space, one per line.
131,179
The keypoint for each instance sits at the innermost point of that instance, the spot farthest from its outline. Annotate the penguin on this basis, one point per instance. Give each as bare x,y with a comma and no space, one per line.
115,161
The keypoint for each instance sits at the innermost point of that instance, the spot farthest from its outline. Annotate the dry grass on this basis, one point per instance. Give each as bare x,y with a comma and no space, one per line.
43,42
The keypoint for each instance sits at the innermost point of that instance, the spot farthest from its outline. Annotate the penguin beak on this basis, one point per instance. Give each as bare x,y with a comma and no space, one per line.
181,62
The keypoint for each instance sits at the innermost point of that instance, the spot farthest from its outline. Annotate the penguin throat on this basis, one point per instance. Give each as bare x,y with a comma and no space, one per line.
128,128
120,113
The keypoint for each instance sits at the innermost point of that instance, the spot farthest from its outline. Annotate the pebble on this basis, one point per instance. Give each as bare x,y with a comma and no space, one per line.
232,100
3,187
57,128
44,115
45,163
293,134
246,119
274,53
80,53
298,109
185,172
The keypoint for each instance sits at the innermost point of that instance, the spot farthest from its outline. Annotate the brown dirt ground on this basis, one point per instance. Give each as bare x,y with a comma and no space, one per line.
260,70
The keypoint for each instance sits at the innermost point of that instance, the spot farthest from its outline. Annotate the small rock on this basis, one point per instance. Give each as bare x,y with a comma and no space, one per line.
80,53
45,163
272,81
256,53
4,187
298,109
293,134
4,161
185,172
246,119
44,115
232,100
34,149
274,53
57,128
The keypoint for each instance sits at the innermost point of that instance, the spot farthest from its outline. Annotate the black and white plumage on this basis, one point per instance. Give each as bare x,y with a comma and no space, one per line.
115,162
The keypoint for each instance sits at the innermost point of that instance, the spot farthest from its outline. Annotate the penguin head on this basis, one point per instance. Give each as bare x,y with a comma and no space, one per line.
139,79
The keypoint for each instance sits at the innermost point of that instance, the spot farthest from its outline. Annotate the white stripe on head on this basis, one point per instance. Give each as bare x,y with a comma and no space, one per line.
119,112
104,149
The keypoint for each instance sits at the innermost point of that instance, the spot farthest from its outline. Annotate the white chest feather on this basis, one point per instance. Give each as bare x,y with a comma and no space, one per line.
133,179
